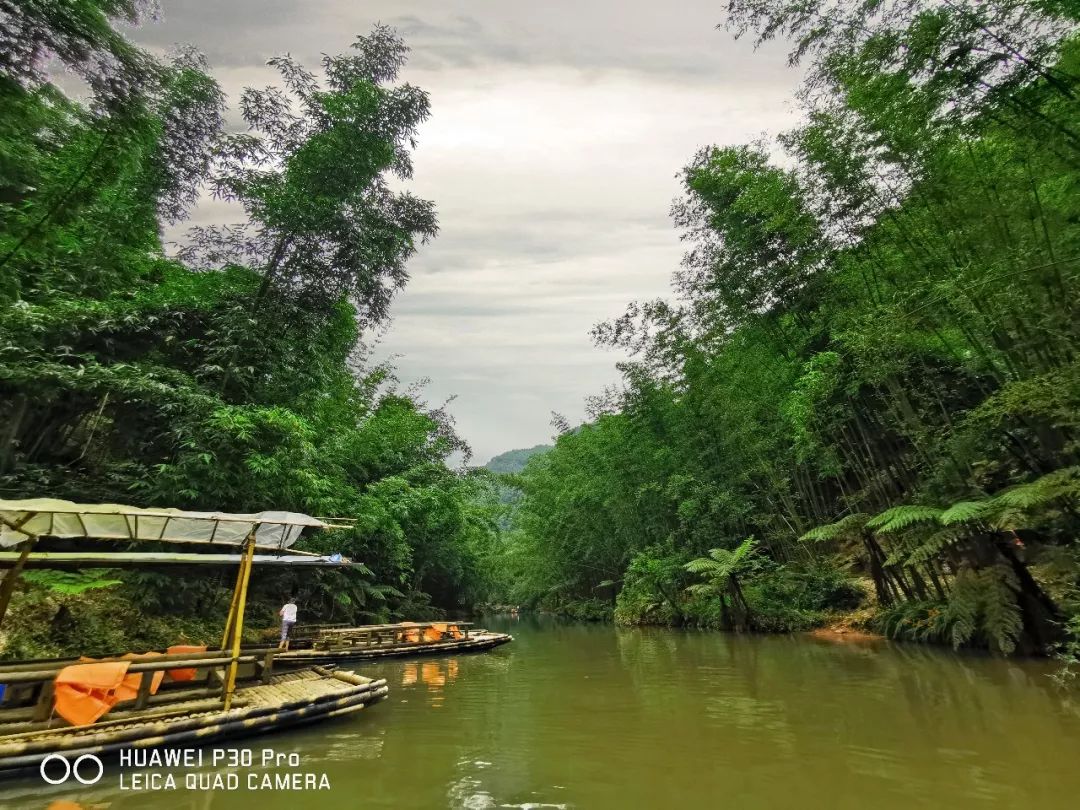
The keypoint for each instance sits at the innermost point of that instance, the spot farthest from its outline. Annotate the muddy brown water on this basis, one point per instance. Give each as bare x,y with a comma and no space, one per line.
593,716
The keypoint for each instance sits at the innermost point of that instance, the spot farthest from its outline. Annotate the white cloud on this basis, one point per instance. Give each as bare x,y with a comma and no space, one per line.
553,189
556,134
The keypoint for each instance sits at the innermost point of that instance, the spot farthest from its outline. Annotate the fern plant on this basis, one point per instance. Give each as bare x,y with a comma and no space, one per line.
1019,505
360,593
966,512
919,620
721,563
930,545
73,583
982,609
984,604
721,570
844,529
919,533
1059,486
903,517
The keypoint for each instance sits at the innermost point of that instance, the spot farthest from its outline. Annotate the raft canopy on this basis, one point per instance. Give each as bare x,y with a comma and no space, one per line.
22,520
121,559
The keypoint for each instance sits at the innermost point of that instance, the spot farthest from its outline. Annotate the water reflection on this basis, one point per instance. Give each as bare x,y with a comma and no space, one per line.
907,723
590,716
435,675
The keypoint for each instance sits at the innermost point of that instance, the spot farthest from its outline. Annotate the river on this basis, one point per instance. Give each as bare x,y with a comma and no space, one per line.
593,716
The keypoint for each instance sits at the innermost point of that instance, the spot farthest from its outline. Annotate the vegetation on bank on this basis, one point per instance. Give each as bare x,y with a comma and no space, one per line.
865,390
233,375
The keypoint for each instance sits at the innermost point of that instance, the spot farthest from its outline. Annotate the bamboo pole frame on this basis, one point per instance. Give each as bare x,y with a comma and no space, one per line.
120,559
226,636
236,618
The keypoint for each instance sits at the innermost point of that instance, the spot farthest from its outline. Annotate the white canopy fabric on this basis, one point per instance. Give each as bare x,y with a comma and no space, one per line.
121,559
49,517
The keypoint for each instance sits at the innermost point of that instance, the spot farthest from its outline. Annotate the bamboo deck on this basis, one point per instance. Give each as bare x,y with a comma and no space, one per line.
477,641
286,700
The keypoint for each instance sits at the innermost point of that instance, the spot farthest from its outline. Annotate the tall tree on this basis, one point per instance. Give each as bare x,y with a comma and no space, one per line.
312,176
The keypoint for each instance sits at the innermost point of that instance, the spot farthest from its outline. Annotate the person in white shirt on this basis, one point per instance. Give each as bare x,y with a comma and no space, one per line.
288,619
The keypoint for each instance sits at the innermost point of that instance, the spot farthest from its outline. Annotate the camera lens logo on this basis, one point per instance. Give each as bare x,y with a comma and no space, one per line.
87,769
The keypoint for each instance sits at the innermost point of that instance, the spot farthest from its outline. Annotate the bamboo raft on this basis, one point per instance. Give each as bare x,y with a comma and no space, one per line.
177,715
190,696
333,645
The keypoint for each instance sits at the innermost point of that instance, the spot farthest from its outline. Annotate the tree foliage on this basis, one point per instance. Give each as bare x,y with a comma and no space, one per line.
871,346
238,384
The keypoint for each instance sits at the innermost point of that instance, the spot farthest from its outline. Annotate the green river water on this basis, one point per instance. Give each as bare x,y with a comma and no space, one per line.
593,716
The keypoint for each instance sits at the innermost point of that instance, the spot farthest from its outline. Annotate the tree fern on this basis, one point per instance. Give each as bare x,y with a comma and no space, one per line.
1059,485
701,589
381,592
841,528
915,621
984,603
363,570
898,556
962,610
722,562
361,592
903,516
1004,519
705,565
1002,619
967,511
1001,511
892,621
932,545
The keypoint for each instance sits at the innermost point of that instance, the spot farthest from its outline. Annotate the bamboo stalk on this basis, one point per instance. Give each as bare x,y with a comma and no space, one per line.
238,621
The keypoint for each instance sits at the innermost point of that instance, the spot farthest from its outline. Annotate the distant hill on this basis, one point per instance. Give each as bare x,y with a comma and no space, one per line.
513,461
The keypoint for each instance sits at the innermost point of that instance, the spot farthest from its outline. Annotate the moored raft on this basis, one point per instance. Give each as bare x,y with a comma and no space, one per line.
332,645
187,696
184,717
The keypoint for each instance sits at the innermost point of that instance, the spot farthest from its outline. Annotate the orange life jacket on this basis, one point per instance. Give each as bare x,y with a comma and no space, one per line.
84,692
184,673
129,689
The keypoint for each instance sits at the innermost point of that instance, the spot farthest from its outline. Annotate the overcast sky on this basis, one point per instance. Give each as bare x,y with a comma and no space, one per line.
557,131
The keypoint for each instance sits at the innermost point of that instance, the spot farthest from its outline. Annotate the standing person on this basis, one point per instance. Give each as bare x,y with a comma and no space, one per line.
288,619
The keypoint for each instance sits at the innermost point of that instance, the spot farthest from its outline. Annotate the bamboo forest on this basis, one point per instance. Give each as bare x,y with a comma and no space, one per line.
861,398
834,469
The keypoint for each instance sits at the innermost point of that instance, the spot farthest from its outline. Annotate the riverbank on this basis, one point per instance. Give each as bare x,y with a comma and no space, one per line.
839,634
776,600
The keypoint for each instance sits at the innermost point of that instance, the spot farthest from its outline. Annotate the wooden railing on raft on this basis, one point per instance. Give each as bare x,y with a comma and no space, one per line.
388,636
29,685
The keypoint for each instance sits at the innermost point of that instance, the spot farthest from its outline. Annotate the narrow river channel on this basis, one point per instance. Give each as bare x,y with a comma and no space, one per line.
593,716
